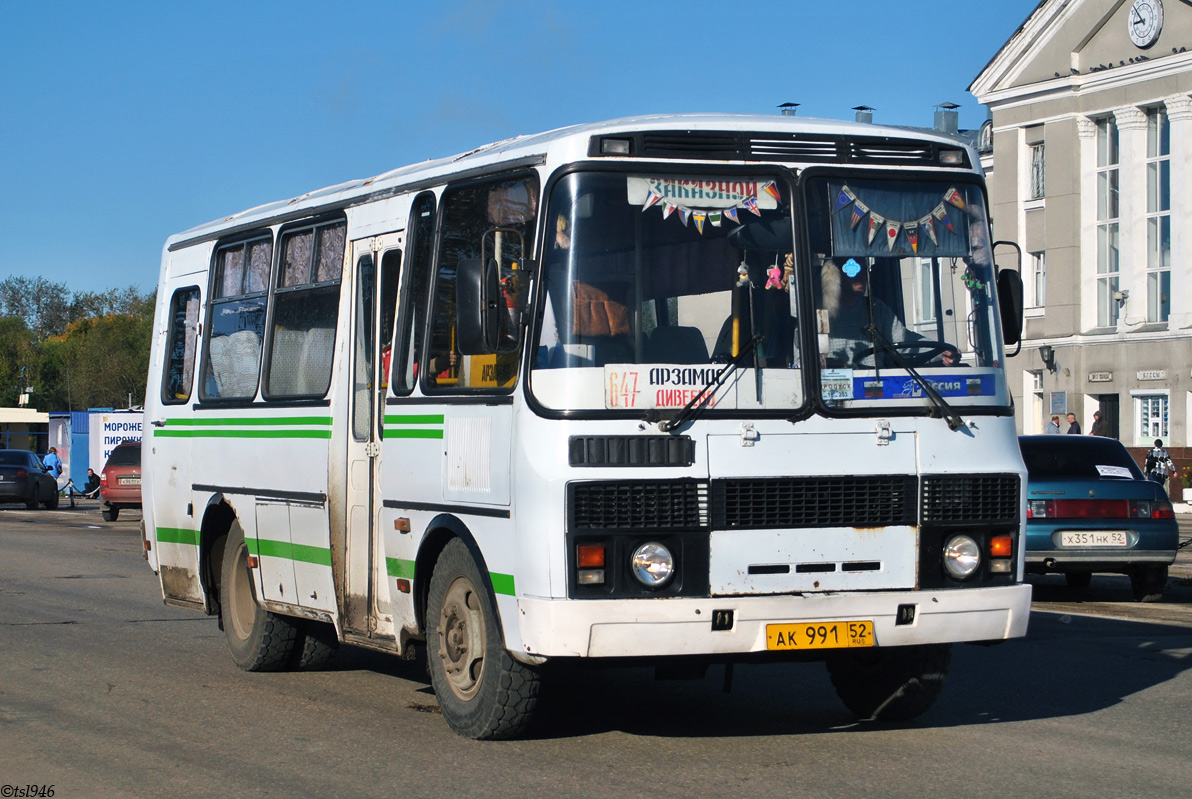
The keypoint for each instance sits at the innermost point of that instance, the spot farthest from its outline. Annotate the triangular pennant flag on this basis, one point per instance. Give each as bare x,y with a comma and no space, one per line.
716,219
941,213
731,213
912,235
751,206
875,223
892,229
667,210
684,215
846,196
927,225
953,196
859,211
700,218
772,190
651,198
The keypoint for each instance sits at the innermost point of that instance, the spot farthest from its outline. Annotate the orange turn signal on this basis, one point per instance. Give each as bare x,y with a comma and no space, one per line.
1001,546
252,561
403,585
591,556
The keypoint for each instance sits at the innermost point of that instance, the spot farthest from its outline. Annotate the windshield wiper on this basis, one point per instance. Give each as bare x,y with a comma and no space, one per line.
942,408
698,403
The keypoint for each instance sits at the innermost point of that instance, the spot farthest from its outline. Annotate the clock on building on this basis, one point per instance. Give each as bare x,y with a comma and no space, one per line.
1144,22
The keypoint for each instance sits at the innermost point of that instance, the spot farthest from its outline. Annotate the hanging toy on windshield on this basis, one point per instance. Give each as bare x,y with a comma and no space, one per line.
742,275
774,276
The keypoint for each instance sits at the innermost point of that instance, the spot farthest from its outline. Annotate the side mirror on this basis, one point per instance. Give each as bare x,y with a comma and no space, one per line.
477,307
1009,299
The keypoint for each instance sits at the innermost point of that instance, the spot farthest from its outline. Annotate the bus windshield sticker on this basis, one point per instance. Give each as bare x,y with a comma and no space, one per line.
837,384
900,387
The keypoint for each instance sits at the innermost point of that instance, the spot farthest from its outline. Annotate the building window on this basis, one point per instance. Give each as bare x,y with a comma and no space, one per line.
1038,188
1158,215
925,292
1108,259
1037,280
1151,412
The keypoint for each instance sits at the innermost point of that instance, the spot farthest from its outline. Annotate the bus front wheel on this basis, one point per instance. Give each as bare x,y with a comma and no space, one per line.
258,640
890,684
483,692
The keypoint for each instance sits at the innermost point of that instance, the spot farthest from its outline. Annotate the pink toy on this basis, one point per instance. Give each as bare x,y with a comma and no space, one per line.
775,277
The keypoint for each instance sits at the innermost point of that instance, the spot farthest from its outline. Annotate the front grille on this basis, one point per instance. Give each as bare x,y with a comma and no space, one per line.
638,505
784,502
957,499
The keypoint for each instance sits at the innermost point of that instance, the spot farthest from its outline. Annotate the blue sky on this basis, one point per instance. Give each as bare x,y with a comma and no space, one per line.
124,122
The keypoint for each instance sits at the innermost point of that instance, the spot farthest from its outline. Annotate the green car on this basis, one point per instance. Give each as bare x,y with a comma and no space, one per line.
1091,509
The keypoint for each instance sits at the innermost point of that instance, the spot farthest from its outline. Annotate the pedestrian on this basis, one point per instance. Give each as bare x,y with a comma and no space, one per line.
53,463
1100,426
1158,464
1073,425
1054,425
91,489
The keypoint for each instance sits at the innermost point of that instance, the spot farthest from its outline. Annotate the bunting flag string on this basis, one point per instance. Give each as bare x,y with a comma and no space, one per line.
895,229
707,202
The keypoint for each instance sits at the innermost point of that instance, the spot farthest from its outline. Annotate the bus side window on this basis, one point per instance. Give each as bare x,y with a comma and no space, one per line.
180,346
232,355
412,313
306,309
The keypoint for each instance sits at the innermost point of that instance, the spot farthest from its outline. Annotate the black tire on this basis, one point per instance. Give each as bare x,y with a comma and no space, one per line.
1148,583
32,500
483,692
258,640
110,513
892,683
317,645
52,502
1078,581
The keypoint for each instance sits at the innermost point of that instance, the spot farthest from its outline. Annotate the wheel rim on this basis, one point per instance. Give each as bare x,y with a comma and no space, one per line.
241,606
461,638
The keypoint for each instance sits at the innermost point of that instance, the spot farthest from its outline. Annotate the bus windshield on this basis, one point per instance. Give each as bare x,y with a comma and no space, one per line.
653,282
902,276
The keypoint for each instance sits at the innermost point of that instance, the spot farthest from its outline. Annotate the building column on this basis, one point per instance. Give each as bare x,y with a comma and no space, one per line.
1131,124
1086,313
1179,114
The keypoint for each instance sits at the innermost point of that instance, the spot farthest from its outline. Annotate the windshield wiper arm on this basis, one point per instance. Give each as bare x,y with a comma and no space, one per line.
942,408
698,403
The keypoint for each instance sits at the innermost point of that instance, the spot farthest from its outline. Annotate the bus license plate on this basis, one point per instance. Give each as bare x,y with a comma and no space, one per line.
821,635
1094,538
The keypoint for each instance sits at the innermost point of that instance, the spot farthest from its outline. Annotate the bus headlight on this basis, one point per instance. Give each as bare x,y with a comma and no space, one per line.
962,556
652,565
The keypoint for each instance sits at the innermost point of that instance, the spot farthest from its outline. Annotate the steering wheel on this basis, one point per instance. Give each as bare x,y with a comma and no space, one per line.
926,351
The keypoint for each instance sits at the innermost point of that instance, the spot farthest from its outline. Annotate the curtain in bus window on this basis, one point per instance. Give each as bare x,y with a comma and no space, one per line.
892,219
260,258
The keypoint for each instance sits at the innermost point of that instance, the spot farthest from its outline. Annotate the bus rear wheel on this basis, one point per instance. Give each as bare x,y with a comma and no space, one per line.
258,640
890,684
483,692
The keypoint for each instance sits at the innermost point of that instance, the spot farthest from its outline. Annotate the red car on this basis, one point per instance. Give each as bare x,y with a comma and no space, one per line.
120,482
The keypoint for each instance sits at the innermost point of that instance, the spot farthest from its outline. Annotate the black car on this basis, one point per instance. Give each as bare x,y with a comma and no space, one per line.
23,478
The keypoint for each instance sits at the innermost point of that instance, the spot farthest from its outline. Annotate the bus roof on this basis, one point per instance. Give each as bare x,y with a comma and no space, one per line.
568,142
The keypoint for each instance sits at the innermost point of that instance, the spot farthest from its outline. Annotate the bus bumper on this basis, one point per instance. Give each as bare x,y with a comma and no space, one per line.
657,627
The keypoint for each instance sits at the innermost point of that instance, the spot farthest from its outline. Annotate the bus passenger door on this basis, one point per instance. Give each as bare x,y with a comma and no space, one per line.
377,266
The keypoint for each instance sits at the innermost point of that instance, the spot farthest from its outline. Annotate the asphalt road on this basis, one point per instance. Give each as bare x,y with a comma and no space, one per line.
105,691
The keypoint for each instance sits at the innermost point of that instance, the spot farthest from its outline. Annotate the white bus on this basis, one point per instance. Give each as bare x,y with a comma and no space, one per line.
670,390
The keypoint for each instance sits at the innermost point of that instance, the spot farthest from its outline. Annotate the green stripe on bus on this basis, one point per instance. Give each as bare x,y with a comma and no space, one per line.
251,421
405,432
396,567
177,535
164,433
268,548
414,418
502,583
